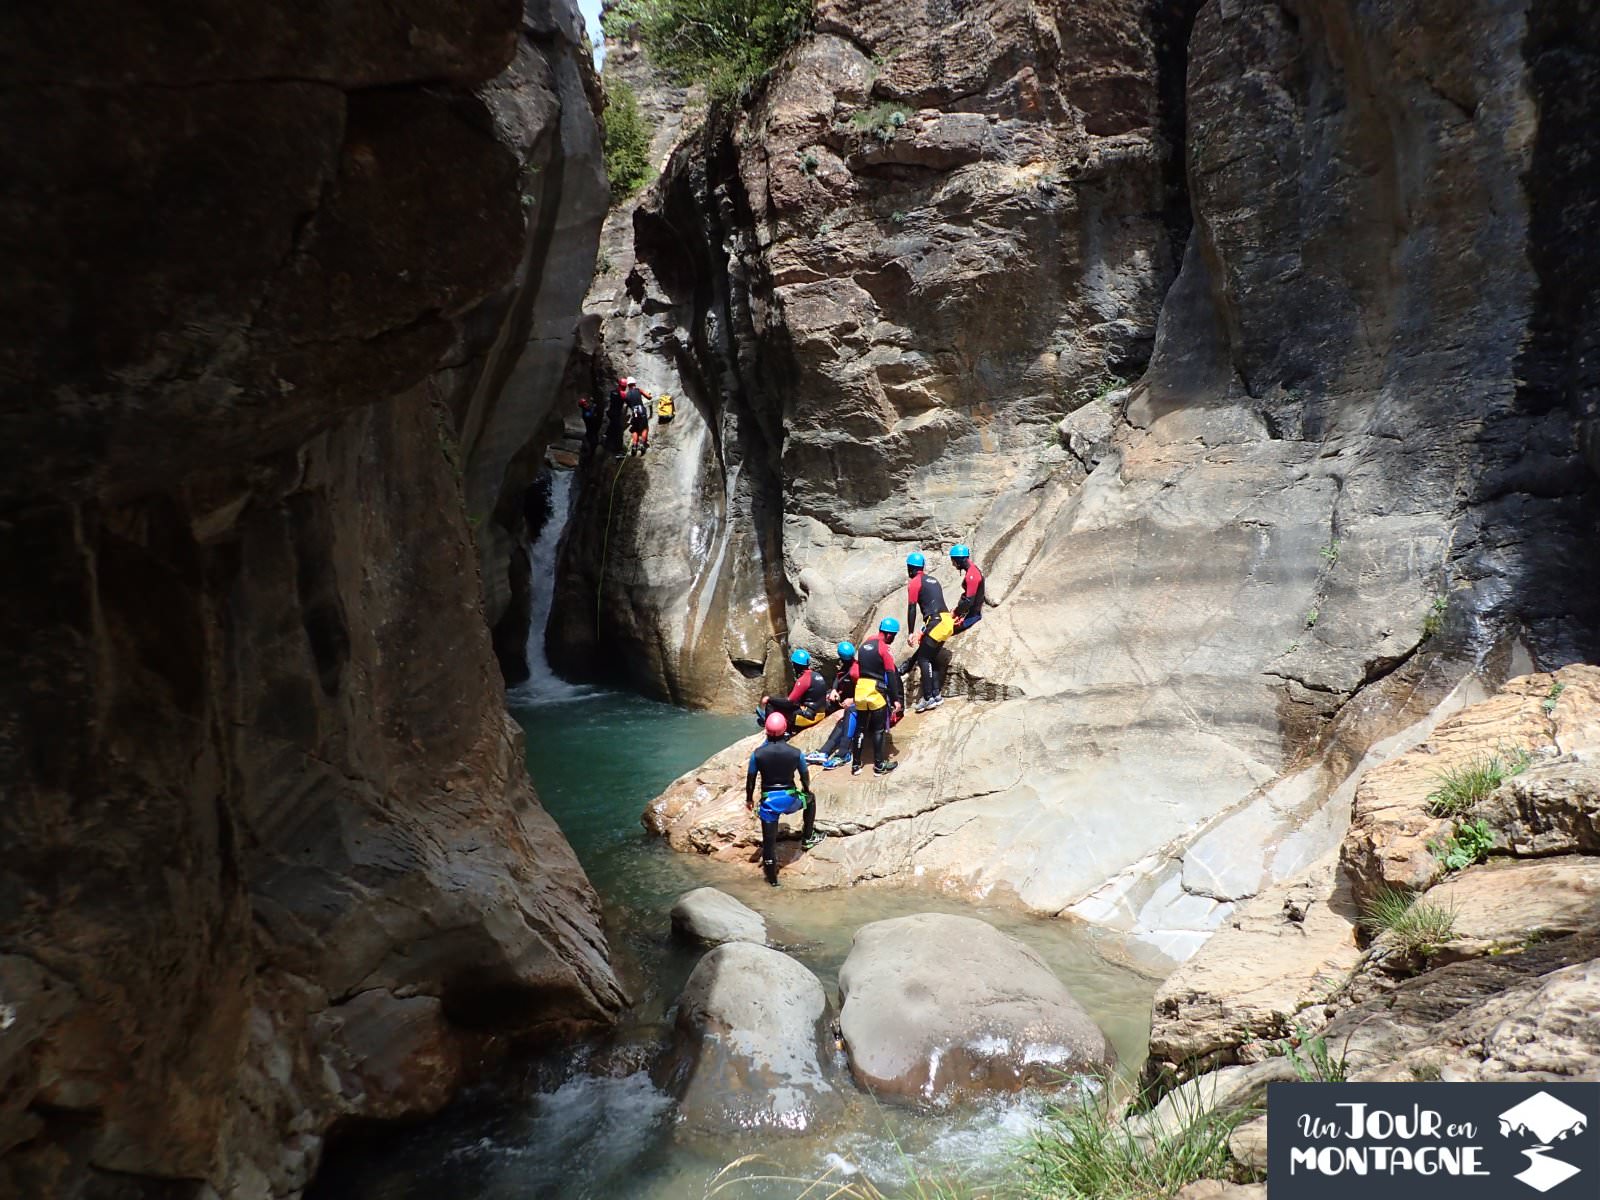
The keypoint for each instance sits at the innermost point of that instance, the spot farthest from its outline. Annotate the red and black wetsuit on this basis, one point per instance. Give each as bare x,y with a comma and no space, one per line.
874,661
807,699
927,595
969,609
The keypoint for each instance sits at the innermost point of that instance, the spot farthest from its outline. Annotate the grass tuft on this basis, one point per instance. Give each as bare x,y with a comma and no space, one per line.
1462,787
1086,1153
1417,927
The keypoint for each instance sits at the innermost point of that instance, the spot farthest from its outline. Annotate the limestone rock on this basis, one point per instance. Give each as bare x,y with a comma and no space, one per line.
268,845
936,1007
1248,1145
752,1032
1216,1092
712,917
1503,904
1387,842
1218,1189
1549,809
1290,947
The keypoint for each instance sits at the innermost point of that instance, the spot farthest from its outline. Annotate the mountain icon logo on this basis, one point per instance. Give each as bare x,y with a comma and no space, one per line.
1544,1117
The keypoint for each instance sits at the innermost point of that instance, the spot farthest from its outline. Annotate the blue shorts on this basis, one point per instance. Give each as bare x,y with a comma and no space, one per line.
778,804
968,622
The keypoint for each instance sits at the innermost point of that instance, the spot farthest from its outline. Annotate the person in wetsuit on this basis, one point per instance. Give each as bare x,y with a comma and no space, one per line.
807,701
924,593
591,423
877,695
969,608
776,764
638,417
835,751
616,410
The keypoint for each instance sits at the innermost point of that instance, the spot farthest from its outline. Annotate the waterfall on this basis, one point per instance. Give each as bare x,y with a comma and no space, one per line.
543,685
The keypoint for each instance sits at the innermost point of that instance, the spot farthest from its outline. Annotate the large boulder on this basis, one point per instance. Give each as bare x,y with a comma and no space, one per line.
753,1051
937,1007
711,917
1552,808
1506,904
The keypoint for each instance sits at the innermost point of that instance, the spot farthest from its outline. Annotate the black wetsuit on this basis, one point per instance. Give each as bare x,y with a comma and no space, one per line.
777,764
928,596
591,424
875,661
808,699
615,419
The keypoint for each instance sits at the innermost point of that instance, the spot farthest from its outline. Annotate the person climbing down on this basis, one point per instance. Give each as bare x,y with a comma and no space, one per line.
807,702
969,609
590,411
638,417
835,751
777,763
877,695
616,417
923,592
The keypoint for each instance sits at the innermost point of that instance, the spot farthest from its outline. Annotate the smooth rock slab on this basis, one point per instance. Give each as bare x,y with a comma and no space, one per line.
1505,902
752,1024
938,1007
712,917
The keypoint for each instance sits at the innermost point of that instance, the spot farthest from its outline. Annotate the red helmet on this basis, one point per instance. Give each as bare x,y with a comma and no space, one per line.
777,725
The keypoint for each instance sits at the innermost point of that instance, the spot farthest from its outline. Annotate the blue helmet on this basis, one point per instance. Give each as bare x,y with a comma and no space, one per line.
888,625
801,658
846,649
915,559
959,551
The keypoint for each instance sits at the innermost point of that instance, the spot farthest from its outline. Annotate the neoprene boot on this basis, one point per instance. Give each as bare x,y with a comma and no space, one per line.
769,868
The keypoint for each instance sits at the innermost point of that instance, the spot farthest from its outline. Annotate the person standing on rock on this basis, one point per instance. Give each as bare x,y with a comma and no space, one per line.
638,417
778,765
590,412
616,416
807,702
878,695
969,609
923,592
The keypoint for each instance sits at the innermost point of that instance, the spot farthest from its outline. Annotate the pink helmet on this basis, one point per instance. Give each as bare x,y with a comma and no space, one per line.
777,725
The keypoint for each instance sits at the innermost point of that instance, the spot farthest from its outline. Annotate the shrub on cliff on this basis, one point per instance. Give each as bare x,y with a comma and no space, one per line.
726,44
627,144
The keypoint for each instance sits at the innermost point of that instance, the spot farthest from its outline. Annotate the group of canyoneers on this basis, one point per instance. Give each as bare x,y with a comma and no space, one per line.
627,418
868,692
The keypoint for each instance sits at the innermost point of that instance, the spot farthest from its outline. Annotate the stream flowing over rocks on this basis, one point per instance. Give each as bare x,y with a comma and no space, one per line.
1246,345
269,858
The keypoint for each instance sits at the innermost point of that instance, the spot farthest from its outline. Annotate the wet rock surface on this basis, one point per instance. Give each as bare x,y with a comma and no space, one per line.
753,1046
937,1007
711,917
269,859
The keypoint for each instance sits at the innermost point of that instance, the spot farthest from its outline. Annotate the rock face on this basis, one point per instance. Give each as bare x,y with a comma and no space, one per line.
752,1024
268,857
937,1007
1351,462
712,917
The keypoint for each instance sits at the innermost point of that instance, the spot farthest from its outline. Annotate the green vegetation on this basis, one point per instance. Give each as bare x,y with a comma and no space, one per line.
728,45
809,163
1310,1057
1330,553
627,144
1311,618
1087,1153
881,120
1434,621
1470,843
1462,787
1549,704
1417,927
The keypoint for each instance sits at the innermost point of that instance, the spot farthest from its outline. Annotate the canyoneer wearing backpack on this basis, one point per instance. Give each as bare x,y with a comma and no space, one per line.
877,696
924,594
778,764
807,702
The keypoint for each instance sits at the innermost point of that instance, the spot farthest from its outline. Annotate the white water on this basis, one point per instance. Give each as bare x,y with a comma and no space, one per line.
543,685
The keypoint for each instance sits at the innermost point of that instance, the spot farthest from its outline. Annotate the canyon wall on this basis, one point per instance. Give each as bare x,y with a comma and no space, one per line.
269,859
1249,346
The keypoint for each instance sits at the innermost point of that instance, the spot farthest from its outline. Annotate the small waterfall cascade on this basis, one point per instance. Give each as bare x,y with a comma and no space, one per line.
543,685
